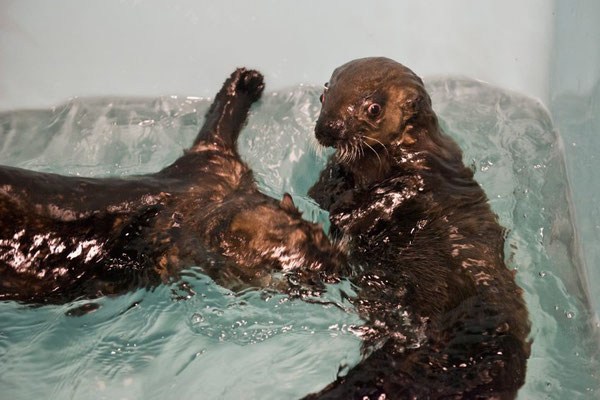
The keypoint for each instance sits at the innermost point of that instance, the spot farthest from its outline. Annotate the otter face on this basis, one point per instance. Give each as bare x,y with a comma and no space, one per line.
369,103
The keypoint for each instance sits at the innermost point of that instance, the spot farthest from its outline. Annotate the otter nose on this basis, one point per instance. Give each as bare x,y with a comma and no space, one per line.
330,131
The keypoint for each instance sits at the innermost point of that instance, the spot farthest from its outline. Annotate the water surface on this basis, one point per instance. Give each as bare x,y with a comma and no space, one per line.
257,344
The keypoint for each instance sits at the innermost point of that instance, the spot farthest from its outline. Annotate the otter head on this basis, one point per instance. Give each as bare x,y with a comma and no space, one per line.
372,103
275,234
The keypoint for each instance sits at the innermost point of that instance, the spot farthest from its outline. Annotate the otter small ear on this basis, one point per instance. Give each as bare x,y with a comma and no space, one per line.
287,203
413,105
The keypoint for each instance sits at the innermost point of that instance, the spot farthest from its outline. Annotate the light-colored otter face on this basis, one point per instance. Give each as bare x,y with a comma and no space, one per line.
369,103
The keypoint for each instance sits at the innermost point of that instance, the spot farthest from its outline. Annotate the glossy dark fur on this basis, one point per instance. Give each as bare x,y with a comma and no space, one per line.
445,316
64,238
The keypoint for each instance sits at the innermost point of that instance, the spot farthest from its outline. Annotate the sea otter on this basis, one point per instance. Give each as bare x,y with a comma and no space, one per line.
445,318
65,238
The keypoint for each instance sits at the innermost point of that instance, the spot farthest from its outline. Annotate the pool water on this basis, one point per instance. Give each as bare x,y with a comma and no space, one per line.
258,344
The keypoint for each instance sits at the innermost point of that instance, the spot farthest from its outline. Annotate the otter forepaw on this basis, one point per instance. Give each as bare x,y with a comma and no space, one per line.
248,82
252,83
229,111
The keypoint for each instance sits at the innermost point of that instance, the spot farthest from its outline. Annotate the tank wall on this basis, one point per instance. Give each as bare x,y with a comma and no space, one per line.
50,51
575,106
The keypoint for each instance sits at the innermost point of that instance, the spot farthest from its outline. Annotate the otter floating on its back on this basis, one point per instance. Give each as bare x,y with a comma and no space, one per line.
446,316
65,238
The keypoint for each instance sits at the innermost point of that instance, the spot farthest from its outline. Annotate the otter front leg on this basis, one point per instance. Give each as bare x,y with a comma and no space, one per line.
228,112
332,183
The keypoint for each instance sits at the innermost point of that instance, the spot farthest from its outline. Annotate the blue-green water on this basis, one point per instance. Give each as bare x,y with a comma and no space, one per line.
218,344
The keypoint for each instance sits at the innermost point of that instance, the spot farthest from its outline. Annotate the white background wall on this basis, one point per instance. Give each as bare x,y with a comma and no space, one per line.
52,50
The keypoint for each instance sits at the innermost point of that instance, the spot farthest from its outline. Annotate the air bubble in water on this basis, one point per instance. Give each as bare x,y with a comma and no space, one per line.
569,314
197,318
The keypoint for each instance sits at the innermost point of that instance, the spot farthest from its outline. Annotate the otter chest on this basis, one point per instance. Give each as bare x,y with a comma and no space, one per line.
387,215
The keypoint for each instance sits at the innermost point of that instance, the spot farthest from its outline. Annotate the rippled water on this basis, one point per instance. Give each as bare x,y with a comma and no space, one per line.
256,344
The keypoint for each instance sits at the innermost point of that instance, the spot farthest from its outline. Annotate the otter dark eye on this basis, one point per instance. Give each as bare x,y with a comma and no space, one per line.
374,110
322,98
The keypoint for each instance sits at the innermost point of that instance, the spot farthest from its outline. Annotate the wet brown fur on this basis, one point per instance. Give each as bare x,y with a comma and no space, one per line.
64,238
445,317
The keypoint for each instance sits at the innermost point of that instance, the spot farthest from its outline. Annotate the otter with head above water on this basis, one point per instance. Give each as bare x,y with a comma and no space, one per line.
445,316
65,238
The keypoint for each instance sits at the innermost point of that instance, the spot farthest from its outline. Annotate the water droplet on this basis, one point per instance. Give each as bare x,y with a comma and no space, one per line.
569,314
147,122
217,311
197,318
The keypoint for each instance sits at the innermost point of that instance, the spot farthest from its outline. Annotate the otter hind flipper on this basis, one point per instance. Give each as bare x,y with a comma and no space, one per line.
228,113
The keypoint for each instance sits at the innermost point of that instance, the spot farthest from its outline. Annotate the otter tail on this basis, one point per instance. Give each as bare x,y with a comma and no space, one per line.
228,113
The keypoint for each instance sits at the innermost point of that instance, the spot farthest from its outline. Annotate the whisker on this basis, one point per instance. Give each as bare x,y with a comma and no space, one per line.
379,158
378,141
342,154
355,149
318,149
312,146
350,152
315,147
